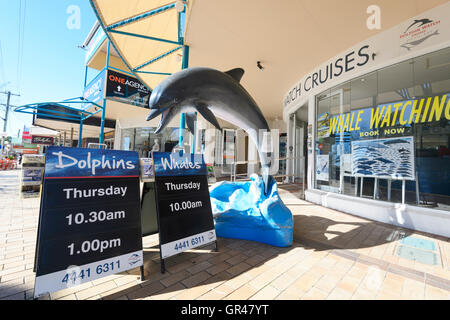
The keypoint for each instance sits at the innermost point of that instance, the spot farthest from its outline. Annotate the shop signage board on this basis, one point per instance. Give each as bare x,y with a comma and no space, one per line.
90,220
95,90
183,202
42,140
127,89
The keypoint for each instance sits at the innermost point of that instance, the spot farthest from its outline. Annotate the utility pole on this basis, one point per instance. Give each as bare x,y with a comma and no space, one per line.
9,94
5,123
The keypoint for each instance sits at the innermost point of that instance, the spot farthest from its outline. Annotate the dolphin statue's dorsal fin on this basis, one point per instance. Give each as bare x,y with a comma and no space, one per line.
208,115
236,74
190,121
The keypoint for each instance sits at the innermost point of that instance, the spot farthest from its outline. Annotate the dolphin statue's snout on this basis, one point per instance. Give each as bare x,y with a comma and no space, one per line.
153,114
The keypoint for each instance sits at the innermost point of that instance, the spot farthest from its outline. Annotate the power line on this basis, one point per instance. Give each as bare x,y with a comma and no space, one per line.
23,40
2,66
20,42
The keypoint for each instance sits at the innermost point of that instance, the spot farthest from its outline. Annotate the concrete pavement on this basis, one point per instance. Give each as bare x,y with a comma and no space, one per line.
334,256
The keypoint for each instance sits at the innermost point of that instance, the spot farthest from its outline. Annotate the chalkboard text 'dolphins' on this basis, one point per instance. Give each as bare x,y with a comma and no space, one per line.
65,161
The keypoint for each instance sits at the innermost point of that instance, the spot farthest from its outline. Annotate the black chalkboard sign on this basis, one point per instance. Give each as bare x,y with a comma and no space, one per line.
183,203
90,219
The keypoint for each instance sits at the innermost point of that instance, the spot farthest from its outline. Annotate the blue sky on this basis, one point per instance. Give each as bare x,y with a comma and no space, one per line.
41,60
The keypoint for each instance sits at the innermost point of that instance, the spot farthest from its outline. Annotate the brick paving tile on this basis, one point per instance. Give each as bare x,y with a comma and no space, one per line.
239,268
145,292
174,278
291,293
433,293
212,295
168,292
242,293
69,297
217,268
94,290
266,293
339,294
68,291
119,291
199,267
413,289
195,279
192,293
314,294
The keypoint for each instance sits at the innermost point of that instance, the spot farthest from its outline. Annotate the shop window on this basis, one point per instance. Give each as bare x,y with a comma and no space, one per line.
386,135
144,140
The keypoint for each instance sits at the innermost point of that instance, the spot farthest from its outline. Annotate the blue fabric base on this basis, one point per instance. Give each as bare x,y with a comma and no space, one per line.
242,211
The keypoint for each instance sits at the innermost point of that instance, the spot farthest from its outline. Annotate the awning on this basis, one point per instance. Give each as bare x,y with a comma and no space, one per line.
40,131
147,34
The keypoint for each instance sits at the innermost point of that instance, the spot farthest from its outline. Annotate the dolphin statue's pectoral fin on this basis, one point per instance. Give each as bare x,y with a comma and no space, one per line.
236,74
208,115
190,121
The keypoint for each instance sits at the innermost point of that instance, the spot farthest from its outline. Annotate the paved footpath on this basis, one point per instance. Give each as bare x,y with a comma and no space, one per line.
334,256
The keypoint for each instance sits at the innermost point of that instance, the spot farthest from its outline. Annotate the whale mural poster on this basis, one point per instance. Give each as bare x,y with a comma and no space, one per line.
183,203
391,158
89,220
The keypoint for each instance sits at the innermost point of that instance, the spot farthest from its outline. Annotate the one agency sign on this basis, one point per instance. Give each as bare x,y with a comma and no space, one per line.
90,221
126,89
183,202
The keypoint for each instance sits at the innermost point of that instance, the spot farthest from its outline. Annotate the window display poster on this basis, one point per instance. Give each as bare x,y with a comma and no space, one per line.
211,173
146,166
347,164
323,125
391,158
323,167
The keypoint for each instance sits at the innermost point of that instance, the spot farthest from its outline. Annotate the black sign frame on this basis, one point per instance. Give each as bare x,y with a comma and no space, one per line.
86,229
159,197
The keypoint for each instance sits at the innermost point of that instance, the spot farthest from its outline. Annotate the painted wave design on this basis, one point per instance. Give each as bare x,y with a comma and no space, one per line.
384,158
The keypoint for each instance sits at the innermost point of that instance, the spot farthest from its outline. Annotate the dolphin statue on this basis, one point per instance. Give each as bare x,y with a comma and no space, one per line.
211,93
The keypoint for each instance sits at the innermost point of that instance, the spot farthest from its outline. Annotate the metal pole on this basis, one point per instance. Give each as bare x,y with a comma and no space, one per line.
80,134
403,191
193,136
85,76
5,124
102,126
71,137
185,64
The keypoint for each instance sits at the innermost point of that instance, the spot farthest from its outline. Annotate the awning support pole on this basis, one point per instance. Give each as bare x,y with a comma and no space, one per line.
80,134
102,125
184,65
85,76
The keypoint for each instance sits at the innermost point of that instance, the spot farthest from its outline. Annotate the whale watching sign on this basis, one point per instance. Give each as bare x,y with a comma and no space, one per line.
90,219
183,203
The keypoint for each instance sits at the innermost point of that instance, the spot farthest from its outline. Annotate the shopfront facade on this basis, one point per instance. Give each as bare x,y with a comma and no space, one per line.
378,138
